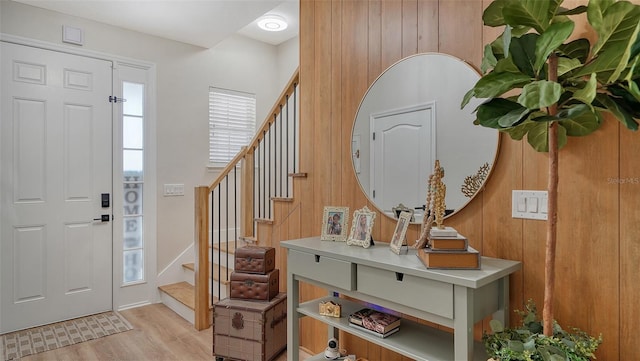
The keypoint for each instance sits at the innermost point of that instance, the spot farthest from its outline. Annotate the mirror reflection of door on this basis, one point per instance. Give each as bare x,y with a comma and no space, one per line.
399,169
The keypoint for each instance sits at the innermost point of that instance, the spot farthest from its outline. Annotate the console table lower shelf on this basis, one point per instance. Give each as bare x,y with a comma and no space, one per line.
414,340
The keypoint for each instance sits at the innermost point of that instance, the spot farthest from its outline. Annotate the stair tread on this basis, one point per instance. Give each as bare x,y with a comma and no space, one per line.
191,266
228,247
184,292
181,291
282,199
264,220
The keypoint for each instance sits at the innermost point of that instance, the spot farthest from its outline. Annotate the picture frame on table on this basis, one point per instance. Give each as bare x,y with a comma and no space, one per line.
361,227
399,234
335,221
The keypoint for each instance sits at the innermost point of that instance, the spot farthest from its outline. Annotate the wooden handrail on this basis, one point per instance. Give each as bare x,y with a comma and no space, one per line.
282,99
203,211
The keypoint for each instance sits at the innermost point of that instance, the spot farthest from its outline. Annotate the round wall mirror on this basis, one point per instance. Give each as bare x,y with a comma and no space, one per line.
409,118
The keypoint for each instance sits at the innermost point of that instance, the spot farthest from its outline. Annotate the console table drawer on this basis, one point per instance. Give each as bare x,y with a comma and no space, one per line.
322,269
407,290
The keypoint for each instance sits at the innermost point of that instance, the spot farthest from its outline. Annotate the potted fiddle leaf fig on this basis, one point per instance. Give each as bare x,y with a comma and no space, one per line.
540,85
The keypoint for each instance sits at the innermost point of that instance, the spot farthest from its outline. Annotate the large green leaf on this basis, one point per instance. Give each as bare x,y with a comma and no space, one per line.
595,12
577,49
588,93
506,65
634,90
519,131
506,40
575,11
489,113
540,94
635,48
582,124
618,111
467,97
492,15
523,51
625,100
538,137
566,65
550,40
489,60
572,111
605,17
513,117
534,13
616,37
495,84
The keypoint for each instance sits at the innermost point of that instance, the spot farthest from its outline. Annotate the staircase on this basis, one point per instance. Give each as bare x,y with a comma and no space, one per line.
180,296
263,174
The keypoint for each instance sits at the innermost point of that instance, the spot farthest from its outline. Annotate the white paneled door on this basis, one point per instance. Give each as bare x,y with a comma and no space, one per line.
56,153
403,148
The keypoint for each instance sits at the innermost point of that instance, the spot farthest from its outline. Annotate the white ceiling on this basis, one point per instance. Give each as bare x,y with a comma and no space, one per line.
199,22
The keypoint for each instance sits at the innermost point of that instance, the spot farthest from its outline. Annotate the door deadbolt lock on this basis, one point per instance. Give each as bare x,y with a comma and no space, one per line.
104,200
103,218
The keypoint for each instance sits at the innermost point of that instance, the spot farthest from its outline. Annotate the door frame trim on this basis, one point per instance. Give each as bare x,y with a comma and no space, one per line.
148,288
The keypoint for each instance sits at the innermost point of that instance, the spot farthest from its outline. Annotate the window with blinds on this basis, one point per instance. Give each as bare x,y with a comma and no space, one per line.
232,123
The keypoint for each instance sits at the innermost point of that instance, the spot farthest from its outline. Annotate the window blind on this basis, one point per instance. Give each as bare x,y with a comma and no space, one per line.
232,123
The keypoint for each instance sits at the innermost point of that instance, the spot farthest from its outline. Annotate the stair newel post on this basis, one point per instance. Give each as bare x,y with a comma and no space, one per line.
202,257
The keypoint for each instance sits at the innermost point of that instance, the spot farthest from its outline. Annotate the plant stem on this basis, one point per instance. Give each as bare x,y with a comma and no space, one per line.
552,189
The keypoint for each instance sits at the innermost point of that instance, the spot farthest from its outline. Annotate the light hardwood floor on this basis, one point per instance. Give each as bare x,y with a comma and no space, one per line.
158,334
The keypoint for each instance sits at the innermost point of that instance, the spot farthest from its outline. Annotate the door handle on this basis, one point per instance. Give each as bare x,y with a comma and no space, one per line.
103,218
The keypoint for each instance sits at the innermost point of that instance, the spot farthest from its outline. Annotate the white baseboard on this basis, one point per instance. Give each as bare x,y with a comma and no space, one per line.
177,307
134,305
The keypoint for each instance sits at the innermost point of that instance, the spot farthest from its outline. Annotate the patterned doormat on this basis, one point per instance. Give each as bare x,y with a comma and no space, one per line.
49,337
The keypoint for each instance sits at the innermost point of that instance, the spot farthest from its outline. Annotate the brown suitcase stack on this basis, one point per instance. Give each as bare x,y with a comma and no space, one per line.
250,325
249,330
254,276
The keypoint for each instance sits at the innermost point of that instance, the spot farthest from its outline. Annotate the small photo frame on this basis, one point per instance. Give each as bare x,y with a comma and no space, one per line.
361,227
334,224
402,208
401,230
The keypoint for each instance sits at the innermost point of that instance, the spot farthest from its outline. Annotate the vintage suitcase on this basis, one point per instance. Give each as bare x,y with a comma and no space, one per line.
249,330
255,259
250,286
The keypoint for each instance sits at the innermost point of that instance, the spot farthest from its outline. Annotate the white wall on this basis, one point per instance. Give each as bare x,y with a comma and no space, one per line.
184,74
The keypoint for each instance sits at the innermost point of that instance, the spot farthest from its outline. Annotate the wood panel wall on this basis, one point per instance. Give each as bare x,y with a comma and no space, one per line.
344,46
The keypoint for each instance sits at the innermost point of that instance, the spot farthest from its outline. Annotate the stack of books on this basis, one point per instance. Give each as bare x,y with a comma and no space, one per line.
375,322
447,249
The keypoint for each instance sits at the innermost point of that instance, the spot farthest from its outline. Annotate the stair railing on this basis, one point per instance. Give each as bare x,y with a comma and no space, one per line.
229,208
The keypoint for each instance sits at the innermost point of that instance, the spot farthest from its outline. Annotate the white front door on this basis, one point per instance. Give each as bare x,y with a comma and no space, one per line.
402,151
56,153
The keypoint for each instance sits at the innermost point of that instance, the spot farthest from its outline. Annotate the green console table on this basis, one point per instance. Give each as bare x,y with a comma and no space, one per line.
453,298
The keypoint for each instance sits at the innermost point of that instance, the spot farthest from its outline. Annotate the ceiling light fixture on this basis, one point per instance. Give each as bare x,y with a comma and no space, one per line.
272,23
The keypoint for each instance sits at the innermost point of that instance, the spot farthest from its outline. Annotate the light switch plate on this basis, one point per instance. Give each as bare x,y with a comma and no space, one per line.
174,189
529,204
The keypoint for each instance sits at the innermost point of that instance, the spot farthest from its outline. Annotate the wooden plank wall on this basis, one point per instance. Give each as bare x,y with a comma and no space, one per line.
344,46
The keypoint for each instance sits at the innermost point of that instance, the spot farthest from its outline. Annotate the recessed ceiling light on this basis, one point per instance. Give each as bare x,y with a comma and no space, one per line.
272,23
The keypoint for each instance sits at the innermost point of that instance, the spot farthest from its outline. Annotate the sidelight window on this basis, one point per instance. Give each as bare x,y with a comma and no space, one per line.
133,182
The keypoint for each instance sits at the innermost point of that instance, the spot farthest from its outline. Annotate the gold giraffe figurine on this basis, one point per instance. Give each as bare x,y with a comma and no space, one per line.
434,206
440,190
